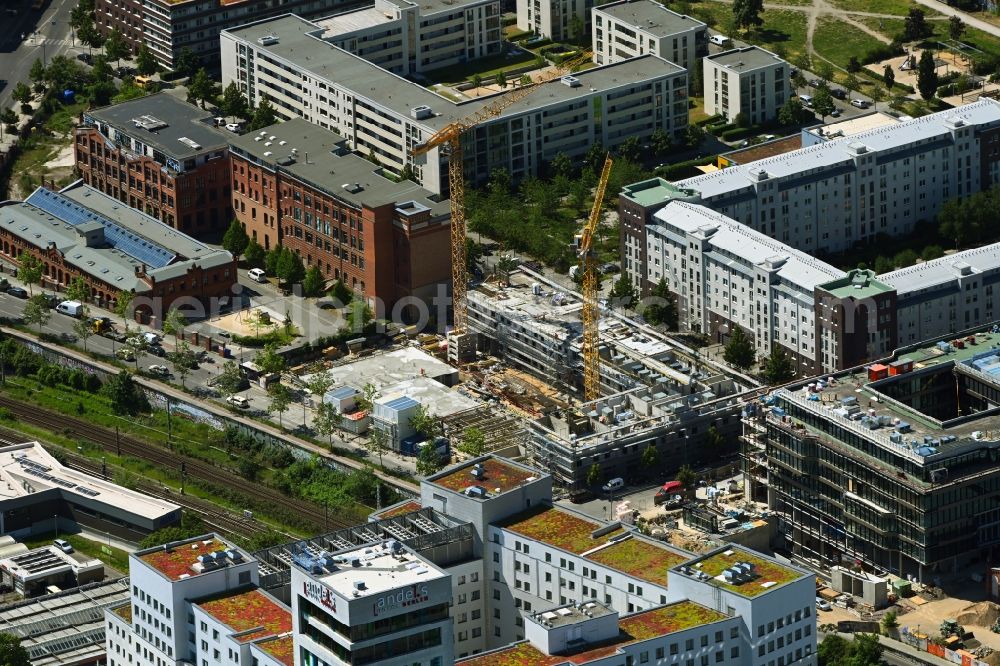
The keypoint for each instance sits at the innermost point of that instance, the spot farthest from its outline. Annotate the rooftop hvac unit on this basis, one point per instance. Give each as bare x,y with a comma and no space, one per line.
421,112
359,585
570,81
267,40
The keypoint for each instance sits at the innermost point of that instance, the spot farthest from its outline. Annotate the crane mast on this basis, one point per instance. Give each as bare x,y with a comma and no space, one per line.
591,311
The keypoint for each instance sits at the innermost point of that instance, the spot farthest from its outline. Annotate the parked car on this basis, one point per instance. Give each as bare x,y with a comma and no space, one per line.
823,604
160,370
71,308
17,292
238,401
610,267
839,93
125,354
860,103
614,484
234,127
806,100
63,545
667,492
815,83
719,40
257,275
157,350
85,58
835,113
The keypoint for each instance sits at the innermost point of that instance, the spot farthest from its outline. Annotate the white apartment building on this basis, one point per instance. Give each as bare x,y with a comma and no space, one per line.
627,29
405,37
555,19
384,115
828,197
946,295
727,274
157,626
750,80
378,604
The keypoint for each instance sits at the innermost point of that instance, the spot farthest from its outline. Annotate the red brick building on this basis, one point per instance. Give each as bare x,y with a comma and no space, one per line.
162,156
80,231
297,185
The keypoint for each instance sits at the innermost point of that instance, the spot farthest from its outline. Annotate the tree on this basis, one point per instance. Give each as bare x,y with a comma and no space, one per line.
853,65
577,29
694,135
137,344
313,283
425,423
594,475
263,116
865,650
8,118
235,240
833,650
37,312
630,149
747,13
889,623
561,165
269,360
477,82
78,290
359,315
501,80
888,77
428,460
366,399
202,88
956,28
320,383
504,266
128,91
739,350
21,93
123,306
290,268
233,102
927,78
377,443
230,379
714,439
327,420
340,293
793,113
115,47
473,442
83,327
660,142
187,62
823,102
12,653
280,399
525,80
660,307
741,120
687,478
915,25
90,35
778,367
174,323
181,359
125,395
253,255
37,72
622,292
651,458
145,61
853,84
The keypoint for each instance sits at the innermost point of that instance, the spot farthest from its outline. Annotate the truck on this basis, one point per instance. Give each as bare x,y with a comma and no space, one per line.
71,308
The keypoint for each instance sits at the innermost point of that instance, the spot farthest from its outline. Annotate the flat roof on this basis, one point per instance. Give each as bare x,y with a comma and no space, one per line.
380,571
389,369
572,613
281,648
299,42
855,125
250,613
179,559
839,151
359,19
858,284
767,573
68,627
28,468
638,557
650,17
439,400
943,270
655,191
746,59
176,120
560,528
399,509
45,561
497,476
642,626
321,158
785,144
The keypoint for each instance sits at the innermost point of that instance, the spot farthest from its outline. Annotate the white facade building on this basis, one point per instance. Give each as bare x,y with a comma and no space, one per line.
828,197
405,37
555,19
384,115
749,80
626,29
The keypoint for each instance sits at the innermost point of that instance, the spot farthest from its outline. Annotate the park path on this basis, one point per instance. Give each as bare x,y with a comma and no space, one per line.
980,24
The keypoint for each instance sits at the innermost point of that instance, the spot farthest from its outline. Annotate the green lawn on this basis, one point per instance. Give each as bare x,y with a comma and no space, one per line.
784,31
115,558
838,40
897,7
485,67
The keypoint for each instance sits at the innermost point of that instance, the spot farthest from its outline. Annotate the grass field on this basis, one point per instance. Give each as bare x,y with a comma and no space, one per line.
897,7
783,32
838,40
113,557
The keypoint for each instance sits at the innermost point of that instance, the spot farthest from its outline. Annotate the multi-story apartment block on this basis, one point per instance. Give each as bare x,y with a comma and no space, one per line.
298,185
160,155
750,81
82,232
189,603
555,19
406,38
855,320
385,116
168,27
627,29
893,466
828,197
726,274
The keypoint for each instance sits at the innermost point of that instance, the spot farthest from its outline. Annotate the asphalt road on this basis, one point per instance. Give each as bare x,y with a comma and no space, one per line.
46,33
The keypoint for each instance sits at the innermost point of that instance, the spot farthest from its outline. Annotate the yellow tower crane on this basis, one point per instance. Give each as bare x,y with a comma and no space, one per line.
591,313
451,136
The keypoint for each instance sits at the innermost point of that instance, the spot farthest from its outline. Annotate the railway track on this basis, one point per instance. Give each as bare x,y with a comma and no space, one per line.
193,468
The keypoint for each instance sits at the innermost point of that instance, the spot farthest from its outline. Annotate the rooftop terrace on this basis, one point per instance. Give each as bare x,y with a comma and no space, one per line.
250,613
858,284
766,573
642,626
495,475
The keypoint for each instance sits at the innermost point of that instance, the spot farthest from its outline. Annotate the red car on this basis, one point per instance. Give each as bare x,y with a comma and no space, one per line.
667,492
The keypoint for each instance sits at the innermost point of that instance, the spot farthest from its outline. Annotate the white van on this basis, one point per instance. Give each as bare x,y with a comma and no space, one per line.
257,275
614,484
719,40
806,100
71,308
